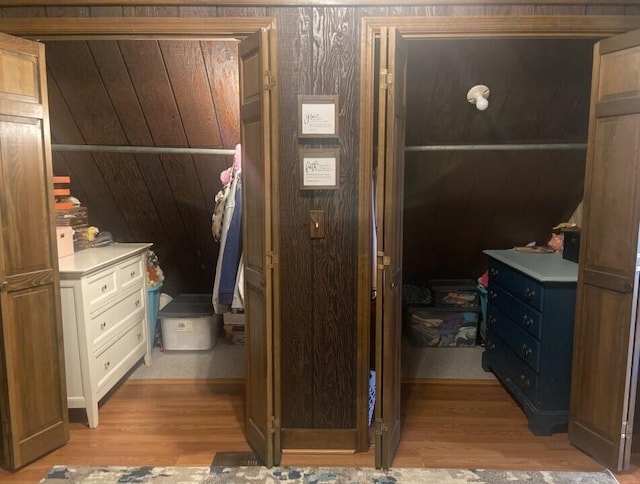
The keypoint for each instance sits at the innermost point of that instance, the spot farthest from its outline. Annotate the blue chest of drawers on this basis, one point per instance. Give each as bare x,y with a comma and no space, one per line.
529,337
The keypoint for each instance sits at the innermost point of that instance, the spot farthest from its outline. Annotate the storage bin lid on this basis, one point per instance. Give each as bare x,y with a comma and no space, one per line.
448,284
192,305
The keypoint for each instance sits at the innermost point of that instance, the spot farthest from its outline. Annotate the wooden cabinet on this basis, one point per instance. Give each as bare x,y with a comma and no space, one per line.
104,313
531,300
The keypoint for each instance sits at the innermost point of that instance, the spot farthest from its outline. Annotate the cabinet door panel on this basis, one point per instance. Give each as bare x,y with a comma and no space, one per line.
33,400
605,369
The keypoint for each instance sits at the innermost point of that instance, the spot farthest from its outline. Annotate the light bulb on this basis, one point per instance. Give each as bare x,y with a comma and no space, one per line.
482,103
478,95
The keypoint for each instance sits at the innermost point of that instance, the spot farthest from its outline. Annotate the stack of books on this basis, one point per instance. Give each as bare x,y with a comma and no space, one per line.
69,213
61,192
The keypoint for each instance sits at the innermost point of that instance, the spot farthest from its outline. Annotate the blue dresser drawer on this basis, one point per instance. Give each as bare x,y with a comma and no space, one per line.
522,314
520,285
530,311
501,358
525,346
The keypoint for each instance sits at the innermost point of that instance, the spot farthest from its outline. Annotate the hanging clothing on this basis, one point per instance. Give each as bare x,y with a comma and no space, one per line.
217,220
232,249
228,286
227,216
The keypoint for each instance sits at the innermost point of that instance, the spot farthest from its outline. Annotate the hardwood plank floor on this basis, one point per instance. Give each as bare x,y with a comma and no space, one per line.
447,423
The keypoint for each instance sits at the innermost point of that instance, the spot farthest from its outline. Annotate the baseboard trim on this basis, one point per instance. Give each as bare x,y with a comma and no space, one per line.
319,439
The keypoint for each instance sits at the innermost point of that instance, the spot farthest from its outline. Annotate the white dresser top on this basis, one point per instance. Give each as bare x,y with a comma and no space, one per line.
543,267
90,260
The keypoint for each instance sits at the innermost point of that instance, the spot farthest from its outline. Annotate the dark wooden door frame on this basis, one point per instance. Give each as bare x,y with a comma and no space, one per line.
557,27
113,28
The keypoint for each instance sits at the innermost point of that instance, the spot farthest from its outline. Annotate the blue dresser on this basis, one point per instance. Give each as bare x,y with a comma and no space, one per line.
529,336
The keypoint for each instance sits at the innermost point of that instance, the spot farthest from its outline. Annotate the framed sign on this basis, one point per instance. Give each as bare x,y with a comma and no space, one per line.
320,169
317,116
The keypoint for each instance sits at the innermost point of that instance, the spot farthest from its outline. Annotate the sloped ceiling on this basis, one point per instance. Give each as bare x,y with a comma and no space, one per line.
458,203
167,93
174,93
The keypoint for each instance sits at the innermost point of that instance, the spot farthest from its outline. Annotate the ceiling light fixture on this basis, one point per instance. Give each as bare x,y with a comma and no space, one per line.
478,95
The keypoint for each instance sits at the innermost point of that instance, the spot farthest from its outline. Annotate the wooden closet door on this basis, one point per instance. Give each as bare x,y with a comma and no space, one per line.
33,400
258,103
390,207
605,363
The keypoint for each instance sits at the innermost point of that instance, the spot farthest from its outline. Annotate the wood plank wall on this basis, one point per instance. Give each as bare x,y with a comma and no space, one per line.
318,53
167,93
458,203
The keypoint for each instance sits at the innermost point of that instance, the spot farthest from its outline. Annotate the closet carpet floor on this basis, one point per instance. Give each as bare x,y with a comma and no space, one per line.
458,363
228,361
223,361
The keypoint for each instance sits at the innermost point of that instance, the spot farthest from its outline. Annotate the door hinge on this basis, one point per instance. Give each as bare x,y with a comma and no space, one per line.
381,427
273,425
383,260
269,80
627,429
386,78
272,260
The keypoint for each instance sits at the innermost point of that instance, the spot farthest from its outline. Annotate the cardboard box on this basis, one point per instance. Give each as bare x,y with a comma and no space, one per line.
64,240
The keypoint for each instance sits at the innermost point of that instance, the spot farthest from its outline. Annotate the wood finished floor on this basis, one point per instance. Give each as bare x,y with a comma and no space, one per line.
447,423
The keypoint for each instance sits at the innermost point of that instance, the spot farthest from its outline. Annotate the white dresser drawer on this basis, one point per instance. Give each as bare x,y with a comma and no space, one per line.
104,313
107,323
101,287
108,361
130,272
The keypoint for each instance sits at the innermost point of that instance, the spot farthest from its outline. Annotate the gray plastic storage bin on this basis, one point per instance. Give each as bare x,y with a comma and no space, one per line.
188,323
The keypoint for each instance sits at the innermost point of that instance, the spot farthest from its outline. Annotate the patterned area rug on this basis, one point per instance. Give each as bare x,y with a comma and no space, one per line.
312,475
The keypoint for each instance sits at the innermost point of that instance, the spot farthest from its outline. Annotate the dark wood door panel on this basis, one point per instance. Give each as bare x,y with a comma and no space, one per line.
614,86
30,349
33,400
262,417
600,385
23,207
390,196
616,186
605,360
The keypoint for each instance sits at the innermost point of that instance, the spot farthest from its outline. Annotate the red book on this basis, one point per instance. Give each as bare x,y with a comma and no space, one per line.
64,205
61,179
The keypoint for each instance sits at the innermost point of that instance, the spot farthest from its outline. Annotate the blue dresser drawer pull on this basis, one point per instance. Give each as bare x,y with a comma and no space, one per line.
525,381
493,271
527,320
492,294
526,351
492,319
529,294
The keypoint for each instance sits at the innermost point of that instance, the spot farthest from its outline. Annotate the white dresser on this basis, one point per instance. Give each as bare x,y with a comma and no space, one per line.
104,315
